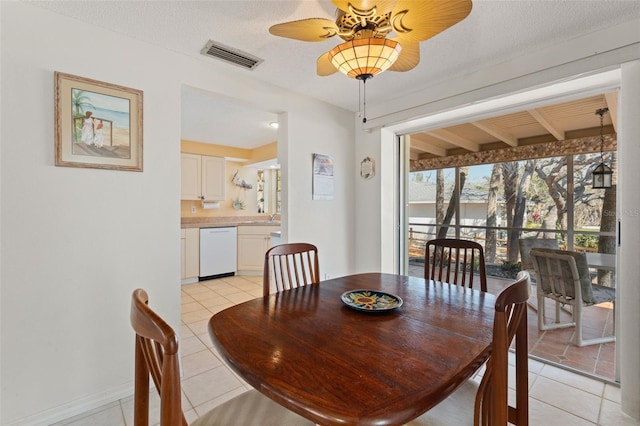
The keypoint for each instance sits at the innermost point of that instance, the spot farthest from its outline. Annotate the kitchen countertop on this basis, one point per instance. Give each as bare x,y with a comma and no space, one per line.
219,222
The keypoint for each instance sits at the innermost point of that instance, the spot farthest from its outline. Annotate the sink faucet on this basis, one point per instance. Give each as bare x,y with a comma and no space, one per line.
272,217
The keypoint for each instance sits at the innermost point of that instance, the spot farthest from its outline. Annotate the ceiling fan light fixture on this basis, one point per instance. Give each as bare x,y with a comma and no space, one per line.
363,58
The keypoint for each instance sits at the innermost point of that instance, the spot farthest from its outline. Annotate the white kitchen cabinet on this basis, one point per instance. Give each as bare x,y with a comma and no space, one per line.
190,177
190,253
202,177
183,253
253,243
213,178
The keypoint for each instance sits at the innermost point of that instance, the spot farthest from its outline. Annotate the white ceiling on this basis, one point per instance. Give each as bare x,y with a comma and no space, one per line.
212,119
495,32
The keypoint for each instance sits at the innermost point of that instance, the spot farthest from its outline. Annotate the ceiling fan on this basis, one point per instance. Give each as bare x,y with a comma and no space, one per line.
365,25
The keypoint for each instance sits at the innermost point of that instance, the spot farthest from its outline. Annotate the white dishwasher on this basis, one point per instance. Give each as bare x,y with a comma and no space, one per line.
217,252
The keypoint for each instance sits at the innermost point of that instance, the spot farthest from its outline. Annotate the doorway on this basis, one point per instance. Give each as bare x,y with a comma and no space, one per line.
503,191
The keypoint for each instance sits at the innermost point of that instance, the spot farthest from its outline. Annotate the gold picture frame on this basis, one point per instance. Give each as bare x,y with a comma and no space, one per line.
98,124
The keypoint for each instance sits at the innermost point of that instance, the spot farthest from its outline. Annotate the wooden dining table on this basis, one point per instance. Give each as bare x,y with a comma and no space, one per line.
333,364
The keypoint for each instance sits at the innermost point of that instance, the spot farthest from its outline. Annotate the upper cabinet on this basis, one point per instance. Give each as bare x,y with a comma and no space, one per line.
213,178
202,177
190,177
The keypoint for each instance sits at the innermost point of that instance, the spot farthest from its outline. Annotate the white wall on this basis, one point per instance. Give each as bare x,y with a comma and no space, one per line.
368,201
628,317
76,242
1,204
328,230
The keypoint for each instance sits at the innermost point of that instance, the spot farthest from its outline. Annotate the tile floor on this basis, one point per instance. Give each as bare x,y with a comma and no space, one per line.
557,396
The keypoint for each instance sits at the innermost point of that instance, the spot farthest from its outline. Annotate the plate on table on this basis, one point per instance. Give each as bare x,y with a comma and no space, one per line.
371,300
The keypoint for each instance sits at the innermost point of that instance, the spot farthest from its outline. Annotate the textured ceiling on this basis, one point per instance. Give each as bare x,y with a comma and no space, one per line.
224,121
494,32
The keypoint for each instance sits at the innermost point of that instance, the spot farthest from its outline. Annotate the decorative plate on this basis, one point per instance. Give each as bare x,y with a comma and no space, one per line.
371,300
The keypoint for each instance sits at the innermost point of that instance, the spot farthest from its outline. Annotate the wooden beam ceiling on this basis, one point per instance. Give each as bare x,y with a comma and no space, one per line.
543,124
454,139
499,133
547,122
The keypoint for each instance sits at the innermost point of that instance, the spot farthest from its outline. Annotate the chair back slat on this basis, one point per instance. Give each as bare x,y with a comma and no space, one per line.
454,261
153,359
156,356
287,266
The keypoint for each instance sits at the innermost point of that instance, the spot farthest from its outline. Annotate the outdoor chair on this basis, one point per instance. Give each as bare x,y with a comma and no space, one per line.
455,261
526,244
564,277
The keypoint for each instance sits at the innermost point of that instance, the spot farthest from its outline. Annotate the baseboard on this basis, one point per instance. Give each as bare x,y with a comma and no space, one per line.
73,408
250,273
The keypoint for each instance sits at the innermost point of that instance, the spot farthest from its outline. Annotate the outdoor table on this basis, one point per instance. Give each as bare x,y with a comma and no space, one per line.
601,261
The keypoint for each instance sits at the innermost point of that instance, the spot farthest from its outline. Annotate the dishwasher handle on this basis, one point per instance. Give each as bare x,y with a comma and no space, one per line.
216,230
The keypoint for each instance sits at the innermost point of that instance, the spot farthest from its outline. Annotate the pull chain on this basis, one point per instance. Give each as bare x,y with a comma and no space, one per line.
359,99
363,78
364,101
601,113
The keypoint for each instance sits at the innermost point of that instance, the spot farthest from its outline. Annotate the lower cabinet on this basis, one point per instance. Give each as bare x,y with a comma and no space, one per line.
183,253
190,253
253,242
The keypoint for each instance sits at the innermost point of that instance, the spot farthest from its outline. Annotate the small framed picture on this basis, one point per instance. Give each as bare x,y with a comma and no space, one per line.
98,124
322,177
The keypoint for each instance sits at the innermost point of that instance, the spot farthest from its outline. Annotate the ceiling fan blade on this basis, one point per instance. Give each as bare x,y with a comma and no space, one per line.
408,58
382,6
324,65
417,20
312,29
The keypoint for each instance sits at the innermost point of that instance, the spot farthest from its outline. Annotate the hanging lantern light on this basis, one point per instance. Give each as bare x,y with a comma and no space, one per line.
602,174
602,177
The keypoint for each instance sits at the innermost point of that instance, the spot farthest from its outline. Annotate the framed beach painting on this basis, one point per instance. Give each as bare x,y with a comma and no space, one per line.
98,124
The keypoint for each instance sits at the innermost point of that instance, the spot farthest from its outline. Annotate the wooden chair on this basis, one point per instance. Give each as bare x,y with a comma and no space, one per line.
454,261
564,277
289,266
486,403
156,354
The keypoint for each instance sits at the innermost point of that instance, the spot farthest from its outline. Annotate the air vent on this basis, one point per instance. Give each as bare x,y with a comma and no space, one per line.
228,54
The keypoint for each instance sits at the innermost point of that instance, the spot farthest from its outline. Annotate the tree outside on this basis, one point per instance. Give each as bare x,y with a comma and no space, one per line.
521,199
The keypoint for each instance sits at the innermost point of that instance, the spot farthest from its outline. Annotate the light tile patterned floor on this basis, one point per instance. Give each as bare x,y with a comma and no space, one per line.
557,396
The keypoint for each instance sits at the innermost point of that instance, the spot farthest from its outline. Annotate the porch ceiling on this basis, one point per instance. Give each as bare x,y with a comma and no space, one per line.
567,120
